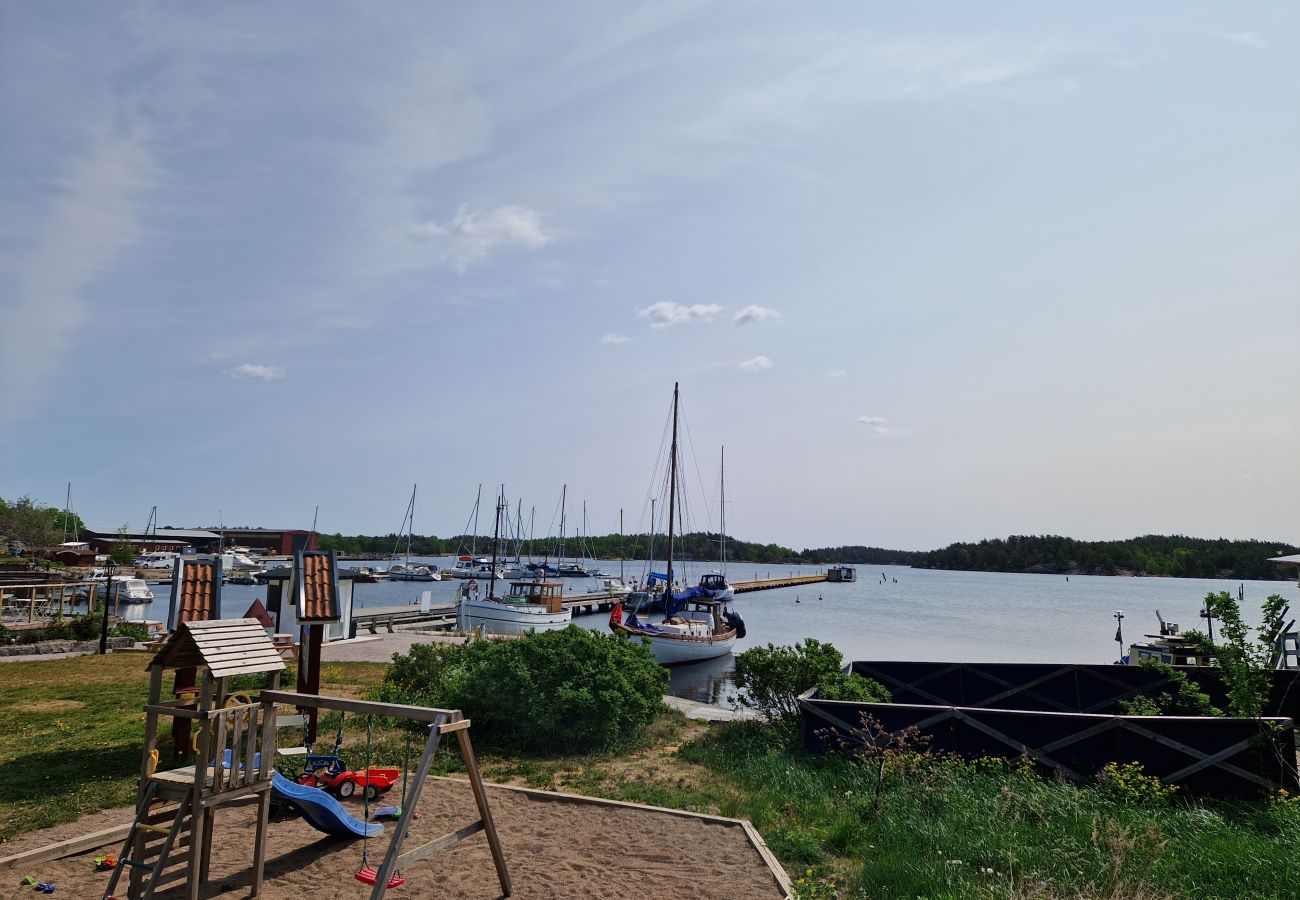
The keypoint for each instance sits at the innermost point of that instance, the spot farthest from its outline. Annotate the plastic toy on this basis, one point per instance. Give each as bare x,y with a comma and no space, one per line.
374,781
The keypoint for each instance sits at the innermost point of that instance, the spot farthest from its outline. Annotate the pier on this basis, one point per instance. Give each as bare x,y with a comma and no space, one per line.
443,615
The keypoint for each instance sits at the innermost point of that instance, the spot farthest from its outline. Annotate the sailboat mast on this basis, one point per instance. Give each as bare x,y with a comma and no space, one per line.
496,536
473,540
722,515
67,505
410,524
564,490
672,490
621,554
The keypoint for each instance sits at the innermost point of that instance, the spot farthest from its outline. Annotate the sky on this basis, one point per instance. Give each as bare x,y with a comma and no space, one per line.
929,272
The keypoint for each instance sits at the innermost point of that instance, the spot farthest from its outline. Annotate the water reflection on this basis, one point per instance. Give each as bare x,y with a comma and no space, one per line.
706,682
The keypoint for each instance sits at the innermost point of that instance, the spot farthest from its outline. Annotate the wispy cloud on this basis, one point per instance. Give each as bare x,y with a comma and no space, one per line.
837,373
757,364
256,371
880,426
751,314
613,339
471,235
89,223
1246,39
666,314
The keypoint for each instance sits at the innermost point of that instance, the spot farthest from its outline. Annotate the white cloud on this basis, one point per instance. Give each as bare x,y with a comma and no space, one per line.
751,314
613,340
880,426
757,364
665,314
471,234
1247,39
837,373
259,372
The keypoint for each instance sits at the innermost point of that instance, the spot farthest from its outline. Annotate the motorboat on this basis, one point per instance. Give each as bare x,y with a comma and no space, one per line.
124,589
402,572
528,606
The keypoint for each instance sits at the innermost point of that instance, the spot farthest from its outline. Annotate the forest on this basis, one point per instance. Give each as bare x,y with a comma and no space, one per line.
1174,556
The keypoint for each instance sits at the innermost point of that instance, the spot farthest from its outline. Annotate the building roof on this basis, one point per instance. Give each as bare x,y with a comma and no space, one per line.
1292,560
184,534
225,646
239,531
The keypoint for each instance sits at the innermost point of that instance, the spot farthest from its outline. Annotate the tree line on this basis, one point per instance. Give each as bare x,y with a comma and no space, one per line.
1174,556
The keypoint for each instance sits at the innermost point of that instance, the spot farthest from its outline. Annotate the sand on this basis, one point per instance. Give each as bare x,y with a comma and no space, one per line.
555,848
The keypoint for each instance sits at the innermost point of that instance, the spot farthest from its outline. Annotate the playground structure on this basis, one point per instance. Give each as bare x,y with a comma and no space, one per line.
235,747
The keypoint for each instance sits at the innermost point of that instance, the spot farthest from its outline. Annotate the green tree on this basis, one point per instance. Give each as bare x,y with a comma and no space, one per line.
1246,662
771,678
123,552
27,526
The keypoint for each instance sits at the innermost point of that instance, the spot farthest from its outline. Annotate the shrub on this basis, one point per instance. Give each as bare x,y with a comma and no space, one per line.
853,687
6,636
1186,699
572,690
1129,783
137,631
772,677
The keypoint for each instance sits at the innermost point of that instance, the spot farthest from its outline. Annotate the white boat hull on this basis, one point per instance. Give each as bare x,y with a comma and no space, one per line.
497,617
675,651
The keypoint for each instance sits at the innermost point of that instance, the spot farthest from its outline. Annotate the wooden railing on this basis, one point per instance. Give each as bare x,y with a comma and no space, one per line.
39,603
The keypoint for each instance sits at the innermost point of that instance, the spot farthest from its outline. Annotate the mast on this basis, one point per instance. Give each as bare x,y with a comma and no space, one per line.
672,492
496,536
532,528
722,503
564,489
67,505
620,544
410,525
473,540
519,530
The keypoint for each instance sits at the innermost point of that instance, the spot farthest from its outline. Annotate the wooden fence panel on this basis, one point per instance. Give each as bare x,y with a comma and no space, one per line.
1232,757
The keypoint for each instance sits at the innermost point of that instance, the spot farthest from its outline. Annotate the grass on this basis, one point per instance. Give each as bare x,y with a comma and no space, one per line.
70,734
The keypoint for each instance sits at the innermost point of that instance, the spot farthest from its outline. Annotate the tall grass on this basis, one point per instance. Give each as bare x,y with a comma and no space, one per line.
942,828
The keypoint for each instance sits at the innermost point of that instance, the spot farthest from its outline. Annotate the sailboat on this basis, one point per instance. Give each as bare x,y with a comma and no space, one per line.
695,625
530,604
404,571
715,583
472,565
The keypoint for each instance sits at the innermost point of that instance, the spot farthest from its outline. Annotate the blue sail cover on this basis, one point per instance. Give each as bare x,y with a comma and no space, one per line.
676,602
656,576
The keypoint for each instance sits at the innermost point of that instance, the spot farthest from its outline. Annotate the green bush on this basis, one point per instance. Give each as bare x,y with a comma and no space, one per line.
6,636
853,687
1186,699
137,631
771,678
567,691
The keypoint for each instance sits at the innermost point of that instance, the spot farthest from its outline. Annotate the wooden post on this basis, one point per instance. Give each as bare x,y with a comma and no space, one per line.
264,798
408,807
200,834
480,797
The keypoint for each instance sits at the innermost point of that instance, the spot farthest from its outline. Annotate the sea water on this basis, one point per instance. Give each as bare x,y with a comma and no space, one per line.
889,613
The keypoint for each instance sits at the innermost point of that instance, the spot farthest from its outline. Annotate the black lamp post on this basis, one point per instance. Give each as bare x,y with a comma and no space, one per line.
108,592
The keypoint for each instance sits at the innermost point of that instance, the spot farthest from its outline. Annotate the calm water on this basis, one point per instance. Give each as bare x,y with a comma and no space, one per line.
923,615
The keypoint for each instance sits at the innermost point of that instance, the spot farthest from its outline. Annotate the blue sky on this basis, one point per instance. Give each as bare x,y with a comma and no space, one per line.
931,272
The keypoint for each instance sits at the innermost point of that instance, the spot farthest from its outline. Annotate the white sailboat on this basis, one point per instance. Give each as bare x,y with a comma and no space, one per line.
716,582
404,571
695,626
529,605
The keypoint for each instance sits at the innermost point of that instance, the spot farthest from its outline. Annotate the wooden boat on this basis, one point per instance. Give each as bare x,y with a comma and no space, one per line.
695,626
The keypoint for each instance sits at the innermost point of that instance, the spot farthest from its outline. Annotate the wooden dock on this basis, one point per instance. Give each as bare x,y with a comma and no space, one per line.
767,584
443,615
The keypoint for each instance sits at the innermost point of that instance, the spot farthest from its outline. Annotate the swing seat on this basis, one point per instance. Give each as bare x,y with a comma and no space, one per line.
369,875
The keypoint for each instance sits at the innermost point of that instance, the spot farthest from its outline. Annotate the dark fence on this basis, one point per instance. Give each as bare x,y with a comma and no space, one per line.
1054,687
1062,717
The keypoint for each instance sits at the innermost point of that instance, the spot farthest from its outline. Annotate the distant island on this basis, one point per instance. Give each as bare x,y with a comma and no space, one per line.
1174,556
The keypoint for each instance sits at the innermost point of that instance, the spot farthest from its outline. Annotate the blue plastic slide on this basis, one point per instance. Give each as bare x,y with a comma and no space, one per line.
320,810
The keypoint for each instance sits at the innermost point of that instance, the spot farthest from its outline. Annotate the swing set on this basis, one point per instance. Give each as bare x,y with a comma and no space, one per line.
439,722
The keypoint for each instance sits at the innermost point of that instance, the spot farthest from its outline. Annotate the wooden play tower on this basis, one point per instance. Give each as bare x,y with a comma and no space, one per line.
171,836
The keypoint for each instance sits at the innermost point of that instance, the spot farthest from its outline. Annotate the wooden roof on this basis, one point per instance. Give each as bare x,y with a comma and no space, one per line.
225,646
318,587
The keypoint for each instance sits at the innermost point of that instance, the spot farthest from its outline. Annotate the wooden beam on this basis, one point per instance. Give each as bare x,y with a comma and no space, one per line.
362,707
437,844
70,847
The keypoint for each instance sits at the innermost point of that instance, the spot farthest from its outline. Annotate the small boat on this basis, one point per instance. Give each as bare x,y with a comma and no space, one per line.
1169,647
529,605
125,589
695,626
716,586
401,572
476,567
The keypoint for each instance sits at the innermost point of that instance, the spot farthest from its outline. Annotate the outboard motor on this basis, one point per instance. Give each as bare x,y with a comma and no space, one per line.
734,620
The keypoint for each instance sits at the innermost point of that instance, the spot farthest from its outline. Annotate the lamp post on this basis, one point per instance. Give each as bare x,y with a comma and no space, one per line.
1119,631
109,567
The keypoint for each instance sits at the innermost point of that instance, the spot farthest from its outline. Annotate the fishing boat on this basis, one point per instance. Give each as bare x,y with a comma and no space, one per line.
695,626
529,605
124,589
